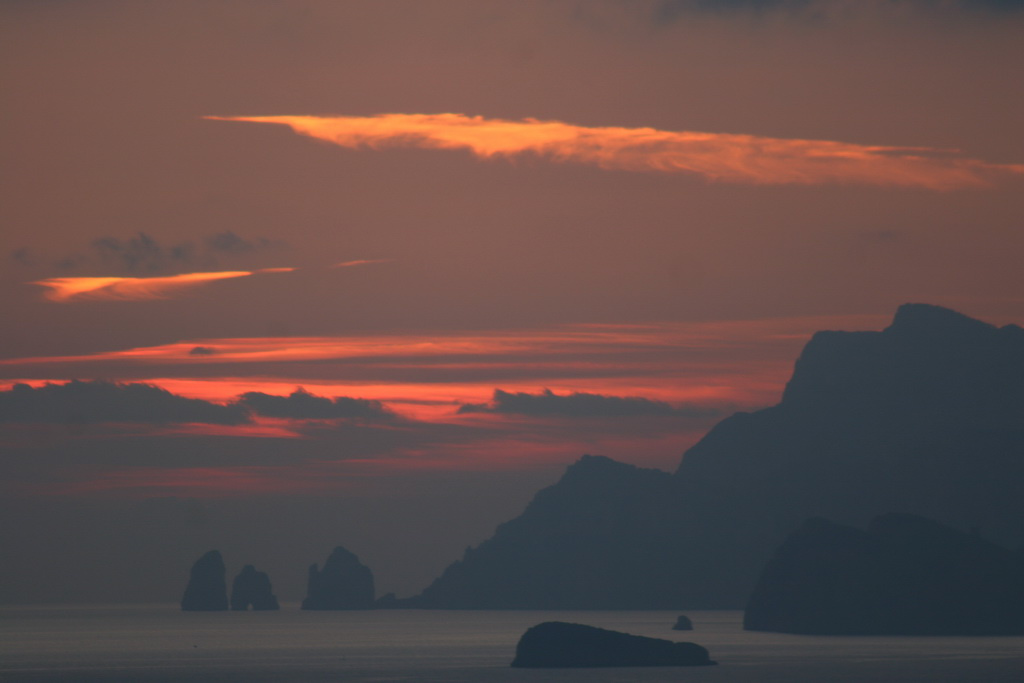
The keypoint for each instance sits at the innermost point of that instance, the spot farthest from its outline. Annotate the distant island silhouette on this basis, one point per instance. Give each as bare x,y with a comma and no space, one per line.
925,417
905,575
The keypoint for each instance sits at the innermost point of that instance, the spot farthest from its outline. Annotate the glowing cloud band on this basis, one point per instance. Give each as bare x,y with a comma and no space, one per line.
66,289
716,156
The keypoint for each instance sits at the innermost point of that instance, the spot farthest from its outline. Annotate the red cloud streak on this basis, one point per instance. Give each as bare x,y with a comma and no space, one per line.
716,156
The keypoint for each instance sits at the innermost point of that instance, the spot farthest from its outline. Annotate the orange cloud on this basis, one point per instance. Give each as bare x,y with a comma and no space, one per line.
65,289
716,156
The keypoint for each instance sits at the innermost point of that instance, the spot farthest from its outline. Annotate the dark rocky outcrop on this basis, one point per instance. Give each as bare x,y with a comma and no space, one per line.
207,589
905,575
683,623
252,588
343,583
557,644
924,417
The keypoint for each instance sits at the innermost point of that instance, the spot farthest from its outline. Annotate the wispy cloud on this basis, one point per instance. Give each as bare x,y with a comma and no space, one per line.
360,262
717,156
68,289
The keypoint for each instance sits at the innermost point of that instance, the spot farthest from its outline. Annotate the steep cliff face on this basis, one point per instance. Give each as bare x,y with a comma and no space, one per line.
930,366
924,417
343,583
905,575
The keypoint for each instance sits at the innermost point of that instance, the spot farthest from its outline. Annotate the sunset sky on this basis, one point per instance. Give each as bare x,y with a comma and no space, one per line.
373,272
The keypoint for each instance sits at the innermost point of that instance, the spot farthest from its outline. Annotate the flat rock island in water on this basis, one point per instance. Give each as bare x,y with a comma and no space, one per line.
557,644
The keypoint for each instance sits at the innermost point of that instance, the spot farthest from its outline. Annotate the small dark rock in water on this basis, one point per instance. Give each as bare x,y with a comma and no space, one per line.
207,589
557,644
251,587
343,583
683,623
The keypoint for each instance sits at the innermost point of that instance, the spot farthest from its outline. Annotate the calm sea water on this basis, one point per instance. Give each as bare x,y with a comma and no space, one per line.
150,643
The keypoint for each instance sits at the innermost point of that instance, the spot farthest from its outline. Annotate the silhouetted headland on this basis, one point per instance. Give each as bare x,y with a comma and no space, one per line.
557,644
905,575
252,588
343,583
591,541
925,417
207,589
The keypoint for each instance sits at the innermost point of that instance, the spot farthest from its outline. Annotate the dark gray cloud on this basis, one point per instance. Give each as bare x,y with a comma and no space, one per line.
669,10
202,351
740,4
228,242
578,404
99,401
70,262
996,5
143,254
22,256
301,405
140,253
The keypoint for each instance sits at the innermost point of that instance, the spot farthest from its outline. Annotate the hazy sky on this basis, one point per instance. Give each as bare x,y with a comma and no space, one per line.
483,237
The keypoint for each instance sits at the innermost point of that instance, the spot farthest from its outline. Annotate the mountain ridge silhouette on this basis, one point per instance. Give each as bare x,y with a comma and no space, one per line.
924,417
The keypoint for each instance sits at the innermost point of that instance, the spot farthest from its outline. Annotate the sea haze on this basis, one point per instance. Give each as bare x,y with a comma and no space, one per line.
159,643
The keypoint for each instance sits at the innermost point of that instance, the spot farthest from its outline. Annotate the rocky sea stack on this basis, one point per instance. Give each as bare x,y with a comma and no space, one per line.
683,623
207,589
252,588
343,583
